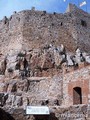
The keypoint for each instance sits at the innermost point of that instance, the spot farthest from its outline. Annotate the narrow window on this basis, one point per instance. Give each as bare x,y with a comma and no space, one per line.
83,23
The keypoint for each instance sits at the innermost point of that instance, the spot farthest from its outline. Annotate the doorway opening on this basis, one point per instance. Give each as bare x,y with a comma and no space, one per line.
77,95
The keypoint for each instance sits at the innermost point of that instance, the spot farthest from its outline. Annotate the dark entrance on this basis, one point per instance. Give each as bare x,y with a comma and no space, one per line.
77,95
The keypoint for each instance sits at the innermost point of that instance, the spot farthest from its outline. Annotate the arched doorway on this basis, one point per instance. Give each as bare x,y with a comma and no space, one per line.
77,95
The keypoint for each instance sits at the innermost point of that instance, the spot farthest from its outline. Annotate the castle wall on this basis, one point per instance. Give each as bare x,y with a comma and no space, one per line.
56,28
31,29
78,78
10,33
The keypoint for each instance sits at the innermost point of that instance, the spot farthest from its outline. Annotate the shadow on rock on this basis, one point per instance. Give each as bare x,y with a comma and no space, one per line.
44,117
5,116
53,117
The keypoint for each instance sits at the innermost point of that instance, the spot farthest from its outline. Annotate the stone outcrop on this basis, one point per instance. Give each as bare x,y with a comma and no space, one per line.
5,116
56,113
35,78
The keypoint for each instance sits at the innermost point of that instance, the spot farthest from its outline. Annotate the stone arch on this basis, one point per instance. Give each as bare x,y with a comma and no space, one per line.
77,95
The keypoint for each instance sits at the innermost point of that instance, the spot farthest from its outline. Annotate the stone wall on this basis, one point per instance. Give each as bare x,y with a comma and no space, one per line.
10,35
44,76
31,91
31,29
78,78
57,28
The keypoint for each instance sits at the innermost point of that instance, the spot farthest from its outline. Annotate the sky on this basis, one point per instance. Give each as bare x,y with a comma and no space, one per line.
7,7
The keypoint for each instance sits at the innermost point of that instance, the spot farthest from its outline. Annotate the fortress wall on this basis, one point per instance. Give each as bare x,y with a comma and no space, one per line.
82,26
10,33
42,28
78,78
32,29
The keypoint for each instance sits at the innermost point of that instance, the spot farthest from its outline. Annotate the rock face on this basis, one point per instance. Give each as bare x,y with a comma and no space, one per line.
44,60
57,113
5,116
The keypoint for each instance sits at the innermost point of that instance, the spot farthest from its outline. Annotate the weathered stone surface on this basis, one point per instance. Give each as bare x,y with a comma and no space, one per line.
22,86
56,113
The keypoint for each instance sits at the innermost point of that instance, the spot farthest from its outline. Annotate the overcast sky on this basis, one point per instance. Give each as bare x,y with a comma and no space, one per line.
8,6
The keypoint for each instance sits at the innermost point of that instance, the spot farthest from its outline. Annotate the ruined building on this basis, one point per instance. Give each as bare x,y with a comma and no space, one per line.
45,61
